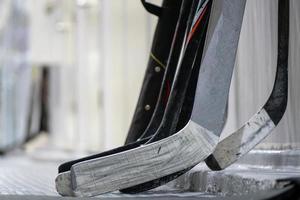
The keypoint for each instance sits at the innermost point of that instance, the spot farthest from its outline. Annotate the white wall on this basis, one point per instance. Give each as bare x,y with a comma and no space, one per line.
98,51
126,35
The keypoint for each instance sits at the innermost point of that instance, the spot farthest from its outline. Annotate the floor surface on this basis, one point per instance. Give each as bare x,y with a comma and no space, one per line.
31,176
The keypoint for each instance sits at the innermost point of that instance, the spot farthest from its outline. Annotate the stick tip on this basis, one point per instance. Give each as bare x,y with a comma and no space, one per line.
212,163
63,184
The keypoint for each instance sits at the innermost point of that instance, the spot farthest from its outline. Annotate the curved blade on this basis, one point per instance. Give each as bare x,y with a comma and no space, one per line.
263,122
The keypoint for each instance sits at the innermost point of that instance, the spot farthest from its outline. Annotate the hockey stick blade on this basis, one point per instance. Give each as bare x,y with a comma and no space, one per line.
263,122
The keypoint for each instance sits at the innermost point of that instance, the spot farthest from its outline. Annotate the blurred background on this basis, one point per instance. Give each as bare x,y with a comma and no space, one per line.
71,72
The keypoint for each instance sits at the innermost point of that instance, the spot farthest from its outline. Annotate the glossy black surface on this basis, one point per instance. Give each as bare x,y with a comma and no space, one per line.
276,104
153,80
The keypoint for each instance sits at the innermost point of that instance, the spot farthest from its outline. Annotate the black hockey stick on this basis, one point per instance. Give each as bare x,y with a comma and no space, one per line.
263,122
177,122
180,29
176,49
184,117
156,68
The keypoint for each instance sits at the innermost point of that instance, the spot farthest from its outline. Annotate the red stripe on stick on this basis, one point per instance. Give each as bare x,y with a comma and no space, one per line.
196,25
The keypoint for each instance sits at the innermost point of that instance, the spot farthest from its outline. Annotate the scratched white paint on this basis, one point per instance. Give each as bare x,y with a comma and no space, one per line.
150,162
63,184
180,151
242,141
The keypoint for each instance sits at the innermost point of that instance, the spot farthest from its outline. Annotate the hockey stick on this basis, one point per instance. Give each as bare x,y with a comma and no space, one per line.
133,133
193,143
156,68
179,88
169,125
66,166
63,180
263,122
153,9
176,49
169,75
